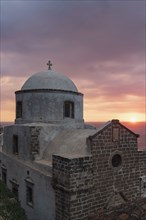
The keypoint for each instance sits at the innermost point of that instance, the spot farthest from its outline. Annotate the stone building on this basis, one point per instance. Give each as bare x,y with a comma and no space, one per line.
59,167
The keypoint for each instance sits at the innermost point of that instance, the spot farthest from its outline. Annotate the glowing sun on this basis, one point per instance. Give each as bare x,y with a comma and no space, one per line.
133,119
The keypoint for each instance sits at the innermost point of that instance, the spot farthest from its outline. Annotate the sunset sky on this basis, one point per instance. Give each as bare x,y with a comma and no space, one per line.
100,45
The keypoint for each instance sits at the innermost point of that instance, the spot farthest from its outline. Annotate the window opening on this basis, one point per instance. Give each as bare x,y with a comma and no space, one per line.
29,195
69,109
4,175
15,144
15,190
29,192
116,160
19,109
15,186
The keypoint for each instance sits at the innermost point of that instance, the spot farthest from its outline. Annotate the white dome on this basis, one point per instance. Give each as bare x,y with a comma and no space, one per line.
49,80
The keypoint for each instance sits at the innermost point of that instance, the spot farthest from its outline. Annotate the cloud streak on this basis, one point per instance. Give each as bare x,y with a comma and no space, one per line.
99,44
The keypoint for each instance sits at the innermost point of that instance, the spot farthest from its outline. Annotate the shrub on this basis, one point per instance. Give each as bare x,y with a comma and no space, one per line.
10,208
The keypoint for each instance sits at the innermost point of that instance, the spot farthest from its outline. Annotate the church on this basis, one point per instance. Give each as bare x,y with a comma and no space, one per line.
61,168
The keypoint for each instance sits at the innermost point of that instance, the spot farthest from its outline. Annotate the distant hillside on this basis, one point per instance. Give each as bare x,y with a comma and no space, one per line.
9,206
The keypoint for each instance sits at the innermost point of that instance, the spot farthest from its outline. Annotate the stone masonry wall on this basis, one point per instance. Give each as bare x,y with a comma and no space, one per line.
83,186
114,185
73,183
35,148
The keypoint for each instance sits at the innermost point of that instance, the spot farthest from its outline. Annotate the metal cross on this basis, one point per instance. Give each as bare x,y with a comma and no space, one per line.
49,65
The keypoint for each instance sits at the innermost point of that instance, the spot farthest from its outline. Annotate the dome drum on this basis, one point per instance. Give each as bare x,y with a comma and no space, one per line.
49,97
36,106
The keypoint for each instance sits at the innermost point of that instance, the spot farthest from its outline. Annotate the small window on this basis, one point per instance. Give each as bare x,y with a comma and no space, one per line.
29,195
144,185
19,109
29,192
15,144
116,134
15,188
68,109
116,160
4,175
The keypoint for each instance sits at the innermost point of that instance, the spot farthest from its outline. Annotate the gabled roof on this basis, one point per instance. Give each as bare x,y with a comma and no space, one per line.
110,123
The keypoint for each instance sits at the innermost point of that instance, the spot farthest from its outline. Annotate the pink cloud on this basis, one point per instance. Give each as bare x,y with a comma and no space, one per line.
99,44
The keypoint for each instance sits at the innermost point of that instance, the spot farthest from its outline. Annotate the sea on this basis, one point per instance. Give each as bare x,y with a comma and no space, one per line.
137,127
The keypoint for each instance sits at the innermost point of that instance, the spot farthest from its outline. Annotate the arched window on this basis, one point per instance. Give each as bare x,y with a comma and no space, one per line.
68,109
116,160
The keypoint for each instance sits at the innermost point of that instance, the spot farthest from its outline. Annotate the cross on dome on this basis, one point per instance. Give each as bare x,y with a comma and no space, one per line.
49,64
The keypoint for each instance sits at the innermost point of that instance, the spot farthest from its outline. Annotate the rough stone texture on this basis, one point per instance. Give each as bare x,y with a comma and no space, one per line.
92,169
135,210
73,184
85,185
108,179
28,140
35,146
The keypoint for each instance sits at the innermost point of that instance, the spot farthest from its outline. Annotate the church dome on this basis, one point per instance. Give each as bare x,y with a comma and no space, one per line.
49,80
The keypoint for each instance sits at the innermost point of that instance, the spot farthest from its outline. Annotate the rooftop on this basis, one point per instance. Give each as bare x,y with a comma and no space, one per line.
49,80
